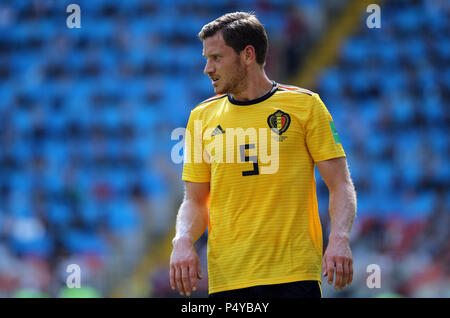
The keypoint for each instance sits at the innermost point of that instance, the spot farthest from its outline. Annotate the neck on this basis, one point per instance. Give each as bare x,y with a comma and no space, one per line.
256,86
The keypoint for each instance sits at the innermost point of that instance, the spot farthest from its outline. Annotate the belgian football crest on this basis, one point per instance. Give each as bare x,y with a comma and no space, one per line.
279,122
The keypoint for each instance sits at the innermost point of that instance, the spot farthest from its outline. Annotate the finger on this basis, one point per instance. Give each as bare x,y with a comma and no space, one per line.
350,267
324,266
330,271
193,276
172,277
185,280
178,280
339,273
199,270
346,273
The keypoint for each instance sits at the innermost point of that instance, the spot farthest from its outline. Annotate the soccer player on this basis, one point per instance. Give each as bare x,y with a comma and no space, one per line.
264,231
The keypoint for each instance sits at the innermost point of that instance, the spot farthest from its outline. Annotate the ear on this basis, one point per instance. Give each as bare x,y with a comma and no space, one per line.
248,54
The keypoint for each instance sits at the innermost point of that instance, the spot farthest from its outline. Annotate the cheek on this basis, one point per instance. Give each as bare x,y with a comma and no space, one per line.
239,70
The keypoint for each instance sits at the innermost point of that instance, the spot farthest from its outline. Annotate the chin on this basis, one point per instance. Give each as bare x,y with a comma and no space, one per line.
217,90
221,90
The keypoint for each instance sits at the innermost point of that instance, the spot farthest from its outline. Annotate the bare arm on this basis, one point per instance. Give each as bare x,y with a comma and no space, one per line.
338,255
192,221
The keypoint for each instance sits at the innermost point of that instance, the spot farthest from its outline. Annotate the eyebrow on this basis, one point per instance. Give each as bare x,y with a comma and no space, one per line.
210,55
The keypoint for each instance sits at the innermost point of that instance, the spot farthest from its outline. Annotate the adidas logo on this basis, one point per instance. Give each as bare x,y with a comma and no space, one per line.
217,131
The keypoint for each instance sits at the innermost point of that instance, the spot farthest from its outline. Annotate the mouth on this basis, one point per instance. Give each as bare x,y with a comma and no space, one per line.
214,80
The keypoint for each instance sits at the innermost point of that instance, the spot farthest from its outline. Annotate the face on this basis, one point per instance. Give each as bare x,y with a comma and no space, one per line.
224,67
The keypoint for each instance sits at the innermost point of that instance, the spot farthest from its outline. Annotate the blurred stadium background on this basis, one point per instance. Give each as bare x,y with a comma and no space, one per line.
86,116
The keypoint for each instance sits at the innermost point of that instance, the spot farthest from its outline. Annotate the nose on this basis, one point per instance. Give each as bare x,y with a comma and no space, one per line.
208,67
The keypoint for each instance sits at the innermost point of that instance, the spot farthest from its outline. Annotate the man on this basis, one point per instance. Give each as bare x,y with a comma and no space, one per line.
264,232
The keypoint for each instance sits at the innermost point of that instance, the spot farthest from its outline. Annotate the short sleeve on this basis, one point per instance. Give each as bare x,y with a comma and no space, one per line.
321,136
195,168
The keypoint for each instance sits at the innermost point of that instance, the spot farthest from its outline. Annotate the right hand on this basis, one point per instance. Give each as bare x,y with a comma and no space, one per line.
185,267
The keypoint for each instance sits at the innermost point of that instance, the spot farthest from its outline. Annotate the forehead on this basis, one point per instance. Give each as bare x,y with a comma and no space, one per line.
215,44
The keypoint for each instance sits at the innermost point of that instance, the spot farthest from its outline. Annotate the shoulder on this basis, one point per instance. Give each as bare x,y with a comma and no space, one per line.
303,99
291,89
300,97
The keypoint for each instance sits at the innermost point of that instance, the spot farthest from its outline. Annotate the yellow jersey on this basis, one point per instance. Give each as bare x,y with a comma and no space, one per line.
259,157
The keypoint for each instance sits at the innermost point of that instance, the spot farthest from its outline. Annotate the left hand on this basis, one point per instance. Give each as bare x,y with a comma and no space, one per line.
338,258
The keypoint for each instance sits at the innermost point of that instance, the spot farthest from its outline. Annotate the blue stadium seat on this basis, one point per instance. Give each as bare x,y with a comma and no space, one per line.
60,215
331,83
84,242
354,51
122,218
40,246
407,20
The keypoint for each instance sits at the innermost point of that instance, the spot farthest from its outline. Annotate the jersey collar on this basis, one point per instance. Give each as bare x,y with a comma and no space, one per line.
254,101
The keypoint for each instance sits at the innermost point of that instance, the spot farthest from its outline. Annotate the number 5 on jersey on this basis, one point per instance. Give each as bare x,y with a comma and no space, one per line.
245,158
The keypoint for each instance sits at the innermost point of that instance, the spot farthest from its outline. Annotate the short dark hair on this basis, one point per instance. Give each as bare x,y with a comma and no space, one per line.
239,29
